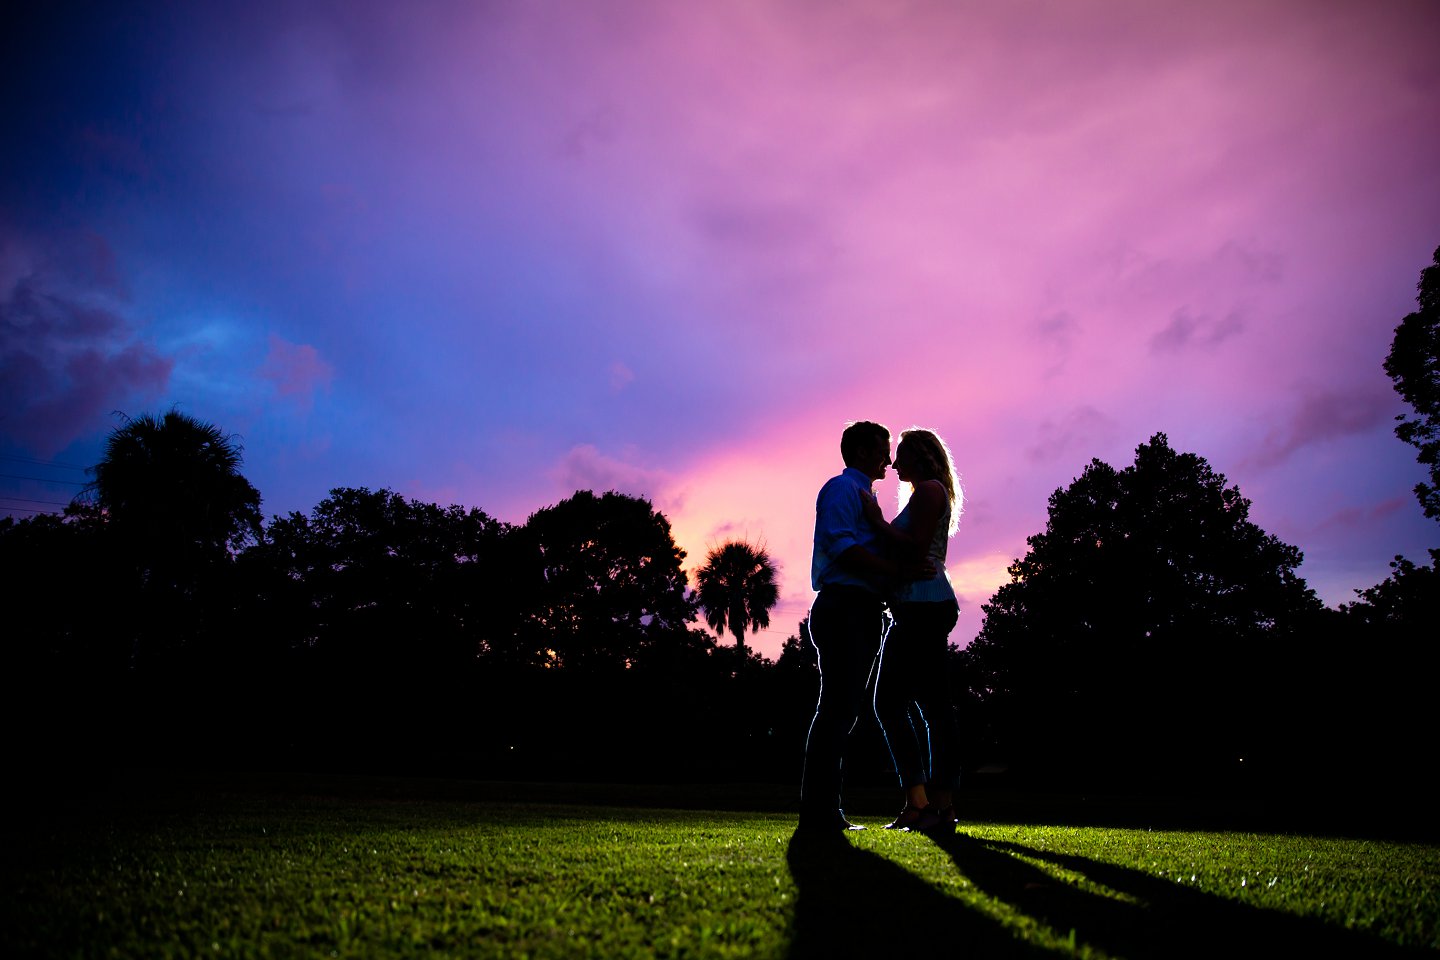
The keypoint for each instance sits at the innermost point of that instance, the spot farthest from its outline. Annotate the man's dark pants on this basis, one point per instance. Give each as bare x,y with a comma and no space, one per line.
846,626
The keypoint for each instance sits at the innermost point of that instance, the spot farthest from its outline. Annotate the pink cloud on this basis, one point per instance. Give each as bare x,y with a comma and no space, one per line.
1364,516
621,376
1083,428
1325,415
297,371
1186,329
586,468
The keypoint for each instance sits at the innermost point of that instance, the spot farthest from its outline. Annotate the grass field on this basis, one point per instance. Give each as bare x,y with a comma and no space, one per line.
330,868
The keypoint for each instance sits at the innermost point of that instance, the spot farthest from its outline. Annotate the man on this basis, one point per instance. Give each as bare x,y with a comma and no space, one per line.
846,621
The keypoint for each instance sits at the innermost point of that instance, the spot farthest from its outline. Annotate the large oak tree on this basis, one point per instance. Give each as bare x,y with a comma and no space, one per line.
1144,627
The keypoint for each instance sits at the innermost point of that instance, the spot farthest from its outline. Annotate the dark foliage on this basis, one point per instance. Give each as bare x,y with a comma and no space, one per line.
176,508
611,583
1143,627
736,589
1151,635
371,581
1385,688
66,662
171,487
1414,366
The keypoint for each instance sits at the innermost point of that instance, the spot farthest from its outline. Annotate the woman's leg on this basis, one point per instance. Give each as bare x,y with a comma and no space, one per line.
931,624
895,690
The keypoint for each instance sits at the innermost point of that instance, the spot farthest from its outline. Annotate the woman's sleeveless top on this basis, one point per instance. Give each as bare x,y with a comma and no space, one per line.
937,589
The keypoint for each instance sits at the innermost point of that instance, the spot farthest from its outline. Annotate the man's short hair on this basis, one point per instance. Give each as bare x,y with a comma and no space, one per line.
860,438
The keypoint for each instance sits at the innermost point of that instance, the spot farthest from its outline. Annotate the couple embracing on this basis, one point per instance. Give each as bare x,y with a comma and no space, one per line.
860,565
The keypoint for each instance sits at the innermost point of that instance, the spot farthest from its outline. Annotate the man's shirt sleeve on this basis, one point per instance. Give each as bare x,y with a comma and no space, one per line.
838,517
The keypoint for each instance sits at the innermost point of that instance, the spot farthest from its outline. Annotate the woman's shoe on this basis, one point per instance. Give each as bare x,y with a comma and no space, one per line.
926,819
907,819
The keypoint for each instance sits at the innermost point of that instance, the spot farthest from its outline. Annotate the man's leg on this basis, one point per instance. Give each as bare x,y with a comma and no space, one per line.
845,628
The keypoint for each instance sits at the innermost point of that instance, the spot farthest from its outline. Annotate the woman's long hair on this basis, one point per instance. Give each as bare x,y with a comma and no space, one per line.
938,465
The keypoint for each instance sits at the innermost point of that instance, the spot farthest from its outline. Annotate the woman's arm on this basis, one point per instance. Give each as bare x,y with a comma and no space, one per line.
927,503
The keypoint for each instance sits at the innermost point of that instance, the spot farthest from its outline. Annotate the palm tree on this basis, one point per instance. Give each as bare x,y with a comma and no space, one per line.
172,492
737,589
174,506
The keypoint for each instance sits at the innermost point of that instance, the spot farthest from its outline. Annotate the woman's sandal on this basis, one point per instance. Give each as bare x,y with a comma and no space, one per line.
927,819
908,818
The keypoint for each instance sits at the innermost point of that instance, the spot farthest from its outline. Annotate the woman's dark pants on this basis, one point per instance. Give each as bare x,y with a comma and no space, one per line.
912,695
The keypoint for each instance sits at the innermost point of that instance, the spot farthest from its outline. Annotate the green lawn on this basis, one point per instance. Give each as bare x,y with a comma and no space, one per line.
319,872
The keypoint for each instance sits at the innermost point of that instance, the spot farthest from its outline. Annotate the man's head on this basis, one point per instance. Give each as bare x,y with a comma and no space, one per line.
866,447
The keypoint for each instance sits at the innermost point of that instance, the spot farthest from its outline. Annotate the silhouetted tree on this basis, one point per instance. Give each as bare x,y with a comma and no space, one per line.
175,507
377,581
1414,366
1141,624
737,589
171,489
66,666
612,582
797,653
47,558
371,619
1385,686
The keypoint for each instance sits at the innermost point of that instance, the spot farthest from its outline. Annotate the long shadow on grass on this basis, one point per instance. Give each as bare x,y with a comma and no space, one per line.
1158,919
854,903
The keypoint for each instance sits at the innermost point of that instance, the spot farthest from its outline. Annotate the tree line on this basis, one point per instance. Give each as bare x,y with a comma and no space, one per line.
1150,635
379,632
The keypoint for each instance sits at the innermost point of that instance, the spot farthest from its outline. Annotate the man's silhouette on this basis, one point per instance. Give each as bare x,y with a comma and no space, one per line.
846,620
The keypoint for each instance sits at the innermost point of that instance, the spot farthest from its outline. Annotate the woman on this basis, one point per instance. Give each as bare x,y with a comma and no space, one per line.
912,693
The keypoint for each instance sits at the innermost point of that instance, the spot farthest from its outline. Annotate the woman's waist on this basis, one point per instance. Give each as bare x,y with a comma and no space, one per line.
931,588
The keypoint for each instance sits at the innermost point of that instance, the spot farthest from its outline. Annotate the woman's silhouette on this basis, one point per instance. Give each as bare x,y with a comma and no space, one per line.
912,692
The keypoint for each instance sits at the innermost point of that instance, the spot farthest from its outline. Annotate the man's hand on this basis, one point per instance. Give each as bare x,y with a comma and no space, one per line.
921,569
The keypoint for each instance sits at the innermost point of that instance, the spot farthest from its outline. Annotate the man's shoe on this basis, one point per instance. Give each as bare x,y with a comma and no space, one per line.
834,824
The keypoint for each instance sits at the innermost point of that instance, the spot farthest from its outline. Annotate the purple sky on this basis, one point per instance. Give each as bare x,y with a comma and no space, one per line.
492,253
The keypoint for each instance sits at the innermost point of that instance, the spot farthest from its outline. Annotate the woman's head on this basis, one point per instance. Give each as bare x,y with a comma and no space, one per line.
922,455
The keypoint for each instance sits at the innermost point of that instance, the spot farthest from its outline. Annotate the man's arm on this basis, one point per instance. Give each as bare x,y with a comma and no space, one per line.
840,512
863,563
875,568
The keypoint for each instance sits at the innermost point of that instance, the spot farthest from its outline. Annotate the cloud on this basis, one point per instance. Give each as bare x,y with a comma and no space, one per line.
586,468
1056,333
978,577
1323,416
68,356
1083,428
297,371
1186,329
1364,517
620,376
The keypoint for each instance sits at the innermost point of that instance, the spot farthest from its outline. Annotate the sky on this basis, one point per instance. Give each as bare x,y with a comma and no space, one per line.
490,253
